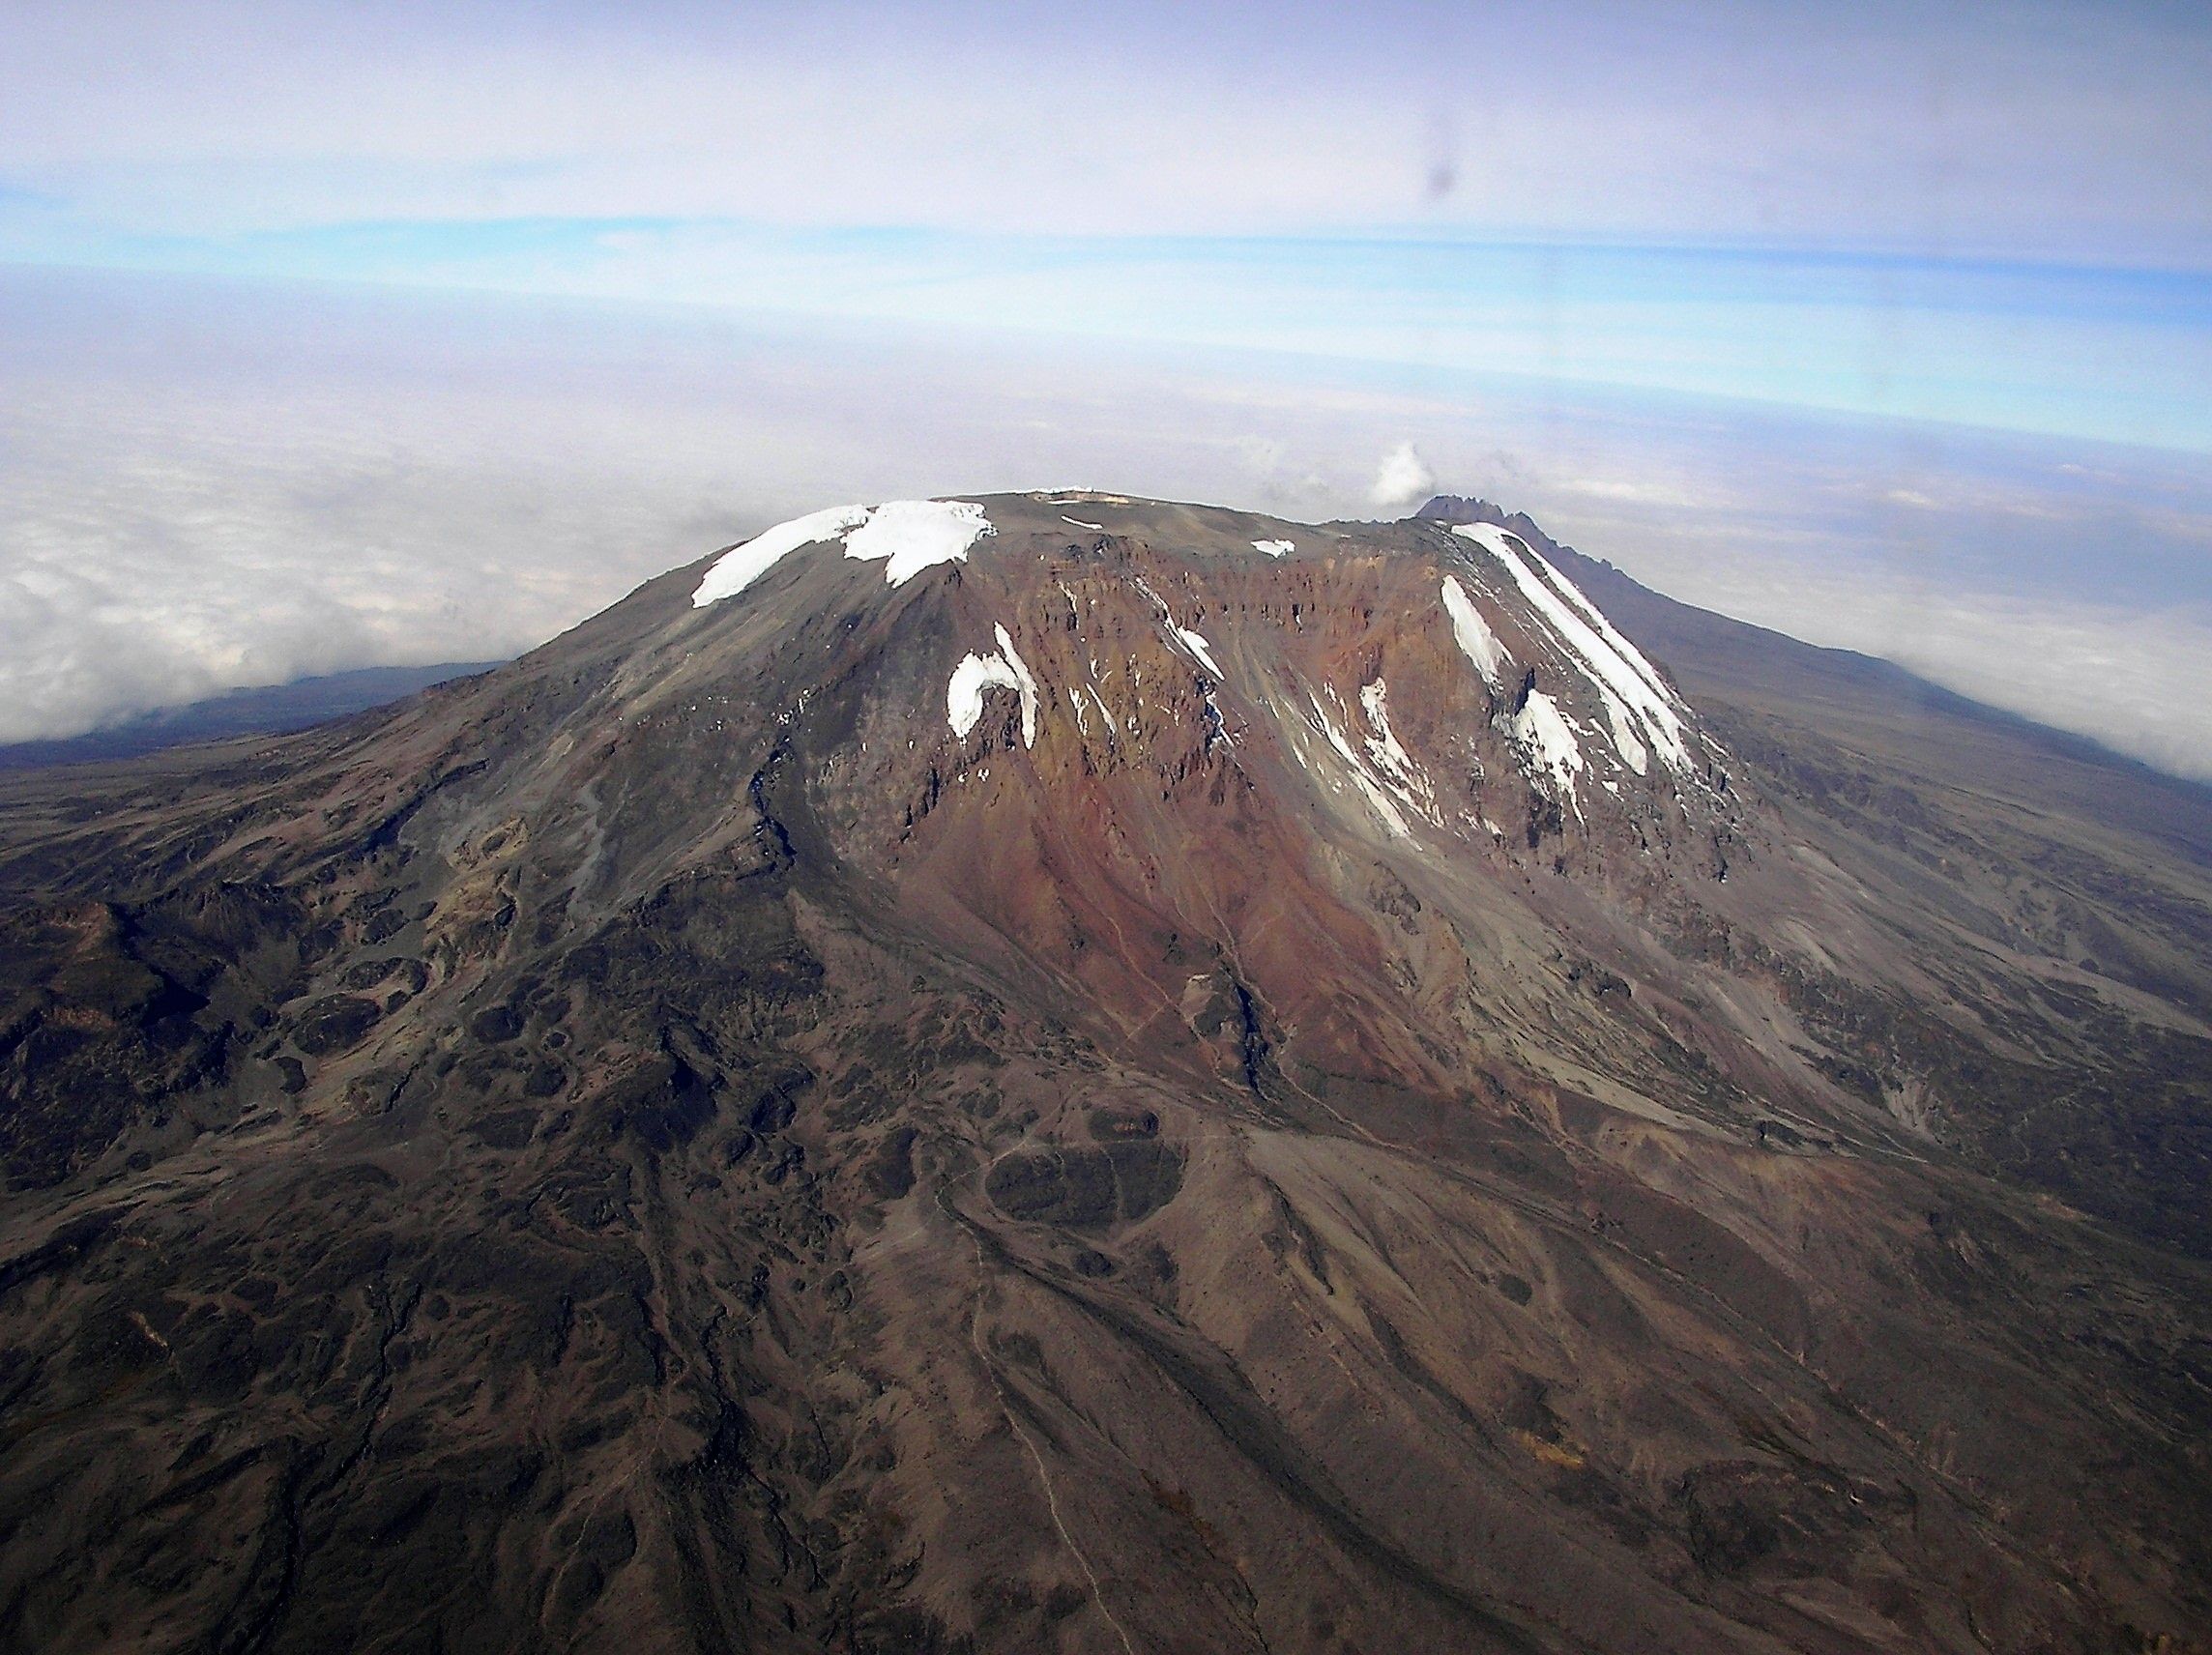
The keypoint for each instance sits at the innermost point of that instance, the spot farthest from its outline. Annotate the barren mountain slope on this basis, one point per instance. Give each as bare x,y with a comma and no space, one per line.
2089,872
1060,1072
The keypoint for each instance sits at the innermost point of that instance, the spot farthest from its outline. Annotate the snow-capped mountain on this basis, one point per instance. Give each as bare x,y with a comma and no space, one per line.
1060,1071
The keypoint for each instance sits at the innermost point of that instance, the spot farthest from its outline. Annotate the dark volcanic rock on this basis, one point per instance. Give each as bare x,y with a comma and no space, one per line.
334,1023
1262,1126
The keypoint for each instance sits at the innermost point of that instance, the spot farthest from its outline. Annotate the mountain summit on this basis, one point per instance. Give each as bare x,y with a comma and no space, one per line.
1064,1072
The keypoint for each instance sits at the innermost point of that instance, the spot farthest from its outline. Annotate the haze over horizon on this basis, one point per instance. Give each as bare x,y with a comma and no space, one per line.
347,336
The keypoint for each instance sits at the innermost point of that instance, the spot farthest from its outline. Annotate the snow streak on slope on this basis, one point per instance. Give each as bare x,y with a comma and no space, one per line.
1400,770
1477,641
1543,729
907,536
1632,690
738,567
1369,786
1196,643
1025,683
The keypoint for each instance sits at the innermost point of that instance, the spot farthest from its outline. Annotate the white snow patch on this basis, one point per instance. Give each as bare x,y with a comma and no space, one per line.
1543,729
1194,642
1079,523
1631,688
1197,645
1472,634
909,535
1275,548
1216,724
739,566
1396,767
964,695
1627,650
976,673
1369,787
1624,738
1027,682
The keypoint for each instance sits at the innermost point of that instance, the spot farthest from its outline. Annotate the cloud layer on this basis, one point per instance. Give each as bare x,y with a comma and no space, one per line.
208,486
1403,481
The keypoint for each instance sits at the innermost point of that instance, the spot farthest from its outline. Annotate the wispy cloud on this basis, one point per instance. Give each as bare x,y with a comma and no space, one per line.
1403,478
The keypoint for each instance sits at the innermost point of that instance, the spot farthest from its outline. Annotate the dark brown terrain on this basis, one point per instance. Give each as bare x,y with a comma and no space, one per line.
671,1145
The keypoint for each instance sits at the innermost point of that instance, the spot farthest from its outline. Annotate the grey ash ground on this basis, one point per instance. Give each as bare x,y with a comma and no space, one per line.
675,1144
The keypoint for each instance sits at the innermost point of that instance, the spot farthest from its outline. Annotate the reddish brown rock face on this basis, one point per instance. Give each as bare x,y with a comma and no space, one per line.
1120,1092
1223,747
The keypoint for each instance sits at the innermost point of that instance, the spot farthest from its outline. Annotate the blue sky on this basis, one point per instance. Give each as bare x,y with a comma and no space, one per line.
1907,308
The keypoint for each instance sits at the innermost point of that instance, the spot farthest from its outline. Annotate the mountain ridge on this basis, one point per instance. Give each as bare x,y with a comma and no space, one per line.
272,709
1672,628
1218,1135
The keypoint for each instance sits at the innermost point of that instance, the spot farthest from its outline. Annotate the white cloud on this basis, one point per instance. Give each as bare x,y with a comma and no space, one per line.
204,487
1656,491
166,552
2138,684
1403,478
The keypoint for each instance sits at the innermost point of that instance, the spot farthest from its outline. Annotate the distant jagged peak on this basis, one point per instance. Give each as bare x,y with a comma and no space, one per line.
1644,712
1462,509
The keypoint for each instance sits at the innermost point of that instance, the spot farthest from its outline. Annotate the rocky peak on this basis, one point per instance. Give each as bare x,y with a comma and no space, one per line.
1412,683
